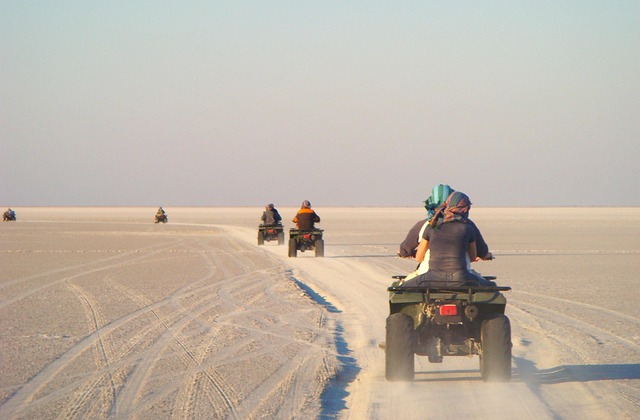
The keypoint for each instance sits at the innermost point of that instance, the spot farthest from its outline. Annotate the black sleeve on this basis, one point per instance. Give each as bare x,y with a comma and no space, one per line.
410,243
481,245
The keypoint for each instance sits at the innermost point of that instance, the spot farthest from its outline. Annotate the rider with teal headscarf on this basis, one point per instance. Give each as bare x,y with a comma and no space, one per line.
433,204
439,194
451,240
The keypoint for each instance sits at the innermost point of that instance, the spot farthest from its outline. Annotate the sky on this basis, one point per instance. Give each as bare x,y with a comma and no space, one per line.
343,103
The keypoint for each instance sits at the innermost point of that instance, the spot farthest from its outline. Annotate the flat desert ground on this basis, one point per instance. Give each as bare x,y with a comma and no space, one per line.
104,314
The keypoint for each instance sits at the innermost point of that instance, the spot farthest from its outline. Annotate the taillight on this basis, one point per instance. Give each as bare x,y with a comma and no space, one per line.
307,235
448,310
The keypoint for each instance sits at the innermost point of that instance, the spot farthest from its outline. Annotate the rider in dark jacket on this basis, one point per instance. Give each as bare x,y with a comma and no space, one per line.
270,216
9,215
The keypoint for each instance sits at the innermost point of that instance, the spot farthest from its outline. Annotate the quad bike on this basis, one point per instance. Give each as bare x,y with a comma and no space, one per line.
9,216
161,218
455,321
305,241
270,233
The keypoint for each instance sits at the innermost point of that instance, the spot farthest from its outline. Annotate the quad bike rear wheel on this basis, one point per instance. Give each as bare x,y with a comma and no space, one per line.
319,248
260,237
293,248
399,358
280,238
495,358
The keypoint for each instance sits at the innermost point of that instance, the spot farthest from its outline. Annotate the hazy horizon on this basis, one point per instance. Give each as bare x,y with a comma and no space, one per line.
259,208
358,104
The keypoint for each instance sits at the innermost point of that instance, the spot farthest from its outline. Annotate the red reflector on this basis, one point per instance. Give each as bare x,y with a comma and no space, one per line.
307,236
448,310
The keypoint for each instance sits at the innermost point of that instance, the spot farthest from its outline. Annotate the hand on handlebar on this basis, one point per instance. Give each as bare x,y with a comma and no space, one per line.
487,257
408,257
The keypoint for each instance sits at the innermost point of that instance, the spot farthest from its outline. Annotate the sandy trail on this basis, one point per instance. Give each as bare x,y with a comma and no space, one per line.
576,340
107,315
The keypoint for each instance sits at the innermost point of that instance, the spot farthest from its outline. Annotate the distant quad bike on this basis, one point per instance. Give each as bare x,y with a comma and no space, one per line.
305,241
8,216
438,322
270,233
161,218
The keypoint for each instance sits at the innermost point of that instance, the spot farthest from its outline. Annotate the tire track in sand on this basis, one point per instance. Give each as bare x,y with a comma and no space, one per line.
235,272
28,392
552,315
126,261
77,407
189,395
579,342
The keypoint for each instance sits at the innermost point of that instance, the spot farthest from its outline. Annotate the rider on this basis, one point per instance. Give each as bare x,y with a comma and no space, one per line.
306,217
409,246
9,214
160,214
270,216
450,239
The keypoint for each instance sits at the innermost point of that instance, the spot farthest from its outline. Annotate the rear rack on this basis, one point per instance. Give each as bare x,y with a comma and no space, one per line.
462,289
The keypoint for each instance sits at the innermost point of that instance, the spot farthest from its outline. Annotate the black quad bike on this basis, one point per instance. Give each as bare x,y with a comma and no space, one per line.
270,233
303,240
438,322
161,218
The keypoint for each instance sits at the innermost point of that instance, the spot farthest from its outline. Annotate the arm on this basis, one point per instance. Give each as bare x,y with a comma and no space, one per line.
423,246
482,249
471,250
409,245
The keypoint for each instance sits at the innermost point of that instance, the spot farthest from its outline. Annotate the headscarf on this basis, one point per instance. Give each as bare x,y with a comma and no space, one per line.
454,209
439,193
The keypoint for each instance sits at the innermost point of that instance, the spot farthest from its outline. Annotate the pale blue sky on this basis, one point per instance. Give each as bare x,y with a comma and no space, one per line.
352,103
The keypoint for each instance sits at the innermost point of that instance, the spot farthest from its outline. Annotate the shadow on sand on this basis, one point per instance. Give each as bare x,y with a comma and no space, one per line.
526,371
334,395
